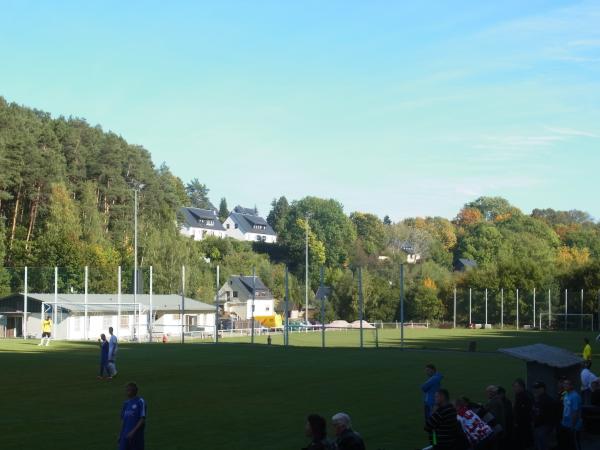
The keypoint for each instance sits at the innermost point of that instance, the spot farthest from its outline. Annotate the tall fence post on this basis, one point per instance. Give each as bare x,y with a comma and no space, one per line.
549,308
253,300
217,308
119,301
566,309
486,307
502,309
322,282
25,292
401,305
470,306
454,321
517,308
286,310
151,318
581,310
360,304
534,322
55,308
85,300
182,315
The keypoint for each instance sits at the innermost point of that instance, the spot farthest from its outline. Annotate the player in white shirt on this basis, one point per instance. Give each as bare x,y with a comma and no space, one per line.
113,347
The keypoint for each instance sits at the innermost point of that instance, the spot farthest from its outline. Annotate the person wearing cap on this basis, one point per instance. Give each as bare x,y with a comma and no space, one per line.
346,438
544,408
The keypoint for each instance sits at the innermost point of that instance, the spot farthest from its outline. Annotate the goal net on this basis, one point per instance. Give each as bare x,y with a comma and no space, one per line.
566,321
87,321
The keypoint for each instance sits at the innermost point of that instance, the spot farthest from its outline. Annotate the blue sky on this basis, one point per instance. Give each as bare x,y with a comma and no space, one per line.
399,108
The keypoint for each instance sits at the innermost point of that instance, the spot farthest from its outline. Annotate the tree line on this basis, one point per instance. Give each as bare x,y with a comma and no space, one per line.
66,200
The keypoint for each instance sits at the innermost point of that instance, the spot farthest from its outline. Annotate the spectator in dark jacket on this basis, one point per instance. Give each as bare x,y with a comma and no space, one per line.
544,412
495,406
443,427
316,430
509,420
522,413
347,439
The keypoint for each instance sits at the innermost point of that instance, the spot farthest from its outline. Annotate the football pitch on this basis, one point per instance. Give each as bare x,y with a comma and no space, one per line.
240,396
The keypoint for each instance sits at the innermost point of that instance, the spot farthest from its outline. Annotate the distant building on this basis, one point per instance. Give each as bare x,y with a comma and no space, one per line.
103,311
236,297
199,223
245,224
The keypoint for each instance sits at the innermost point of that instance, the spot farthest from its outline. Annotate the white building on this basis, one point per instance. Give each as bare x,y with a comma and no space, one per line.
76,320
199,223
244,224
236,297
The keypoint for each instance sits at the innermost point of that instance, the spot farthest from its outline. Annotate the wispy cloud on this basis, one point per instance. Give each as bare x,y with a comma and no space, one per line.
572,132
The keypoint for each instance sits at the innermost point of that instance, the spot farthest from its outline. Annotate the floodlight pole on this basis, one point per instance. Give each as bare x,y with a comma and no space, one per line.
360,305
286,310
306,274
25,289
402,305
135,254
253,299
217,308
322,307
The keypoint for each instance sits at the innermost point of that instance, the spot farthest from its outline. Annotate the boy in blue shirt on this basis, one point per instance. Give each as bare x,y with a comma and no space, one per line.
133,419
103,357
571,422
430,387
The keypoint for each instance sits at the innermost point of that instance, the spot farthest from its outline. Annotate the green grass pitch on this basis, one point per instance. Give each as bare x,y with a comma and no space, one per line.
238,396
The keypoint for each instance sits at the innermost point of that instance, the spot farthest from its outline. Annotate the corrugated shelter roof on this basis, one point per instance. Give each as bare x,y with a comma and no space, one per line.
544,354
168,302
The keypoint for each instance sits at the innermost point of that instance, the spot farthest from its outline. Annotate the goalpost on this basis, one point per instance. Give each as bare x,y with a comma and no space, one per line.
62,311
566,321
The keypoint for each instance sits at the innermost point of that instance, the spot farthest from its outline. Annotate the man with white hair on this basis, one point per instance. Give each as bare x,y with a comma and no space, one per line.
346,438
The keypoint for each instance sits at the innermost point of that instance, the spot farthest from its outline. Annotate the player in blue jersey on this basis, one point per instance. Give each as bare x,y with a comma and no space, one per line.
133,418
103,358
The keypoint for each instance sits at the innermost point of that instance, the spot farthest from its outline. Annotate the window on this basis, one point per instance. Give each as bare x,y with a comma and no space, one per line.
236,225
227,226
235,294
210,223
264,238
124,322
258,238
267,308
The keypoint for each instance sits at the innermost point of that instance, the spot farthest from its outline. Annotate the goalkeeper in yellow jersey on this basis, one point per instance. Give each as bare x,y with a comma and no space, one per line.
46,331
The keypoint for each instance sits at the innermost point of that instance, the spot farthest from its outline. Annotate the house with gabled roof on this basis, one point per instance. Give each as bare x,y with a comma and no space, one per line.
245,224
199,223
236,297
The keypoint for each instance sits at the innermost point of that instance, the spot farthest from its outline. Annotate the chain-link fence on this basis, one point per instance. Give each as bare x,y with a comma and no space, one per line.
83,303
